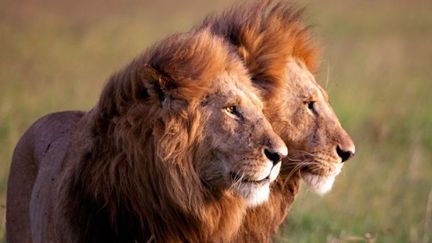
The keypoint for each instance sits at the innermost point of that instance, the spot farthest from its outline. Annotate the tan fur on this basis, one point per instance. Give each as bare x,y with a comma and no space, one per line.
153,160
281,56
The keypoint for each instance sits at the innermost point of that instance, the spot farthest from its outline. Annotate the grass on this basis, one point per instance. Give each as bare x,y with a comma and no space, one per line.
57,56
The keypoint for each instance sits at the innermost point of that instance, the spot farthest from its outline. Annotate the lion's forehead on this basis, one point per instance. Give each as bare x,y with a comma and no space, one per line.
250,96
240,88
299,76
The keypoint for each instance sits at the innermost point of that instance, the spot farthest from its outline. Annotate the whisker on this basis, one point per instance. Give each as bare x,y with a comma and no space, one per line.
293,171
327,76
238,180
297,168
314,156
296,162
304,152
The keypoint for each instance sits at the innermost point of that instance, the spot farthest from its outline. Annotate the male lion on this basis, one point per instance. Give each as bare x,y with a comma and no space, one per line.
175,151
281,57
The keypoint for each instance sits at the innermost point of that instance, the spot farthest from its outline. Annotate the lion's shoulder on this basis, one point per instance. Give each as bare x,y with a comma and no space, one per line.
50,129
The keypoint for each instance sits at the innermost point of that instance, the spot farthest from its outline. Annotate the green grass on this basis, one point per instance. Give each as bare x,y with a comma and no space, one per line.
377,55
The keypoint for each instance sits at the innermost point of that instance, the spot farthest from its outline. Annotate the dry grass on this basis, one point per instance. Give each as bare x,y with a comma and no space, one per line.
56,56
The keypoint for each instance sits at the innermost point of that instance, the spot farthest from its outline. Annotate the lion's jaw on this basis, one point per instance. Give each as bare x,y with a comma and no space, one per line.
257,190
321,184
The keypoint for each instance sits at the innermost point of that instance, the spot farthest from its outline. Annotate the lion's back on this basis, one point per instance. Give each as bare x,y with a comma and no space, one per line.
37,156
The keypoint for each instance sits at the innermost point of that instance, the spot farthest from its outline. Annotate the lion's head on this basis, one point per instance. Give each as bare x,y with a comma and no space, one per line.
310,128
240,150
281,57
214,115
178,138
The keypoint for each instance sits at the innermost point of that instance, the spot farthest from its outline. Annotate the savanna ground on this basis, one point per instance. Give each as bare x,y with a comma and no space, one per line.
377,66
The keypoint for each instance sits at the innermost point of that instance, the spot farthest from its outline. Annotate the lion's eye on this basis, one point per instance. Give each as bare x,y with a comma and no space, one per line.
310,105
231,109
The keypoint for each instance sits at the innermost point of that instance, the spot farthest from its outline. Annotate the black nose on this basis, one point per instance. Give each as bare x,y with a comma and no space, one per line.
274,156
344,154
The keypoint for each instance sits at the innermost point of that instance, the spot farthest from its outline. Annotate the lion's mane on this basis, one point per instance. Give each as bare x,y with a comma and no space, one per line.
265,34
135,180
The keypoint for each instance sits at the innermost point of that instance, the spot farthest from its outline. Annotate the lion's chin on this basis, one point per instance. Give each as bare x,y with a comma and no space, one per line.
321,184
253,194
256,192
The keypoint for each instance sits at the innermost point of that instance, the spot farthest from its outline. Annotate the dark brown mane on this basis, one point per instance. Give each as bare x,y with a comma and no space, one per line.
121,178
266,34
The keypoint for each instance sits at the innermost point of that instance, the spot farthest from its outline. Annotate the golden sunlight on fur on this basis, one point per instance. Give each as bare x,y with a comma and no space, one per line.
176,150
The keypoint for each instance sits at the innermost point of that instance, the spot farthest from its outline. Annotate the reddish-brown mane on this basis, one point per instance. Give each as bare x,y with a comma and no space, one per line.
137,173
265,36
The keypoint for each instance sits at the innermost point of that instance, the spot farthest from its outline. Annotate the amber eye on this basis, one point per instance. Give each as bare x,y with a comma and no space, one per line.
234,112
231,109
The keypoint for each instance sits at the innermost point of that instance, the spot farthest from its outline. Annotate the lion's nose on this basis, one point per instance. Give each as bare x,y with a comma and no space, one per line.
344,153
275,155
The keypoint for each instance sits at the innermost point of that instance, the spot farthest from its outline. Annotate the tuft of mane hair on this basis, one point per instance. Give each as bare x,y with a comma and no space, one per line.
265,34
135,180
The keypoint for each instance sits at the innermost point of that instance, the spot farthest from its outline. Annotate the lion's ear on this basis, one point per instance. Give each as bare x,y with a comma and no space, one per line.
157,84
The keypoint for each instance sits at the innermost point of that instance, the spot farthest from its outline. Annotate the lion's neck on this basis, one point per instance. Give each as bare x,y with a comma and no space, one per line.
261,224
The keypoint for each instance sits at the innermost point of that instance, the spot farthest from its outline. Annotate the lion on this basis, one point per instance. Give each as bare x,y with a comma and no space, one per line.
282,58
176,150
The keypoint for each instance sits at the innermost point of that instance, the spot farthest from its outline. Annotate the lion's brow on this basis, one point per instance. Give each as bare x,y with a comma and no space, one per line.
324,93
255,100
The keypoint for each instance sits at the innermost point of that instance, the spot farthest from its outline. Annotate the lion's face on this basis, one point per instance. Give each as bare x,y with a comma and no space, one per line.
303,117
245,152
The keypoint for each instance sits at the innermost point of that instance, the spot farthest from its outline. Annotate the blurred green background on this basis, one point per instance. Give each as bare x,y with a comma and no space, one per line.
376,65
